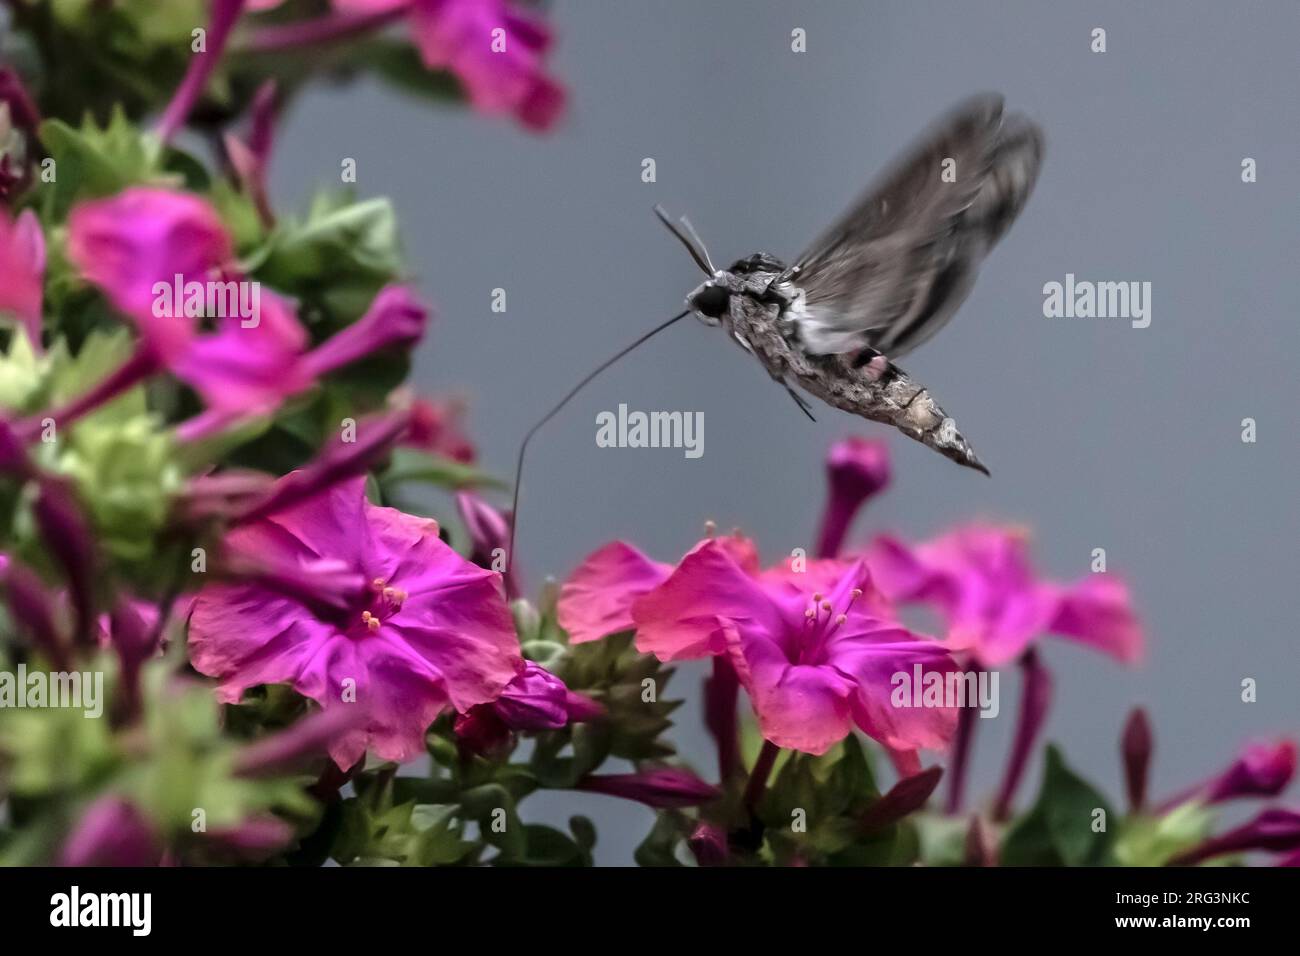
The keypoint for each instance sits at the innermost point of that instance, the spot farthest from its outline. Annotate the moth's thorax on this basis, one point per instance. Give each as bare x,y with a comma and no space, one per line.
760,277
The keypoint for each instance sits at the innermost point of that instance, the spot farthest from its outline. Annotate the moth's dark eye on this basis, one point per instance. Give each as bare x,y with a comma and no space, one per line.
711,301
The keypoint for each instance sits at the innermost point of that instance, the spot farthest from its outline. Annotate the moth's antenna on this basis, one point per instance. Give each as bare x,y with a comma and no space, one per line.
704,250
700,260
523,446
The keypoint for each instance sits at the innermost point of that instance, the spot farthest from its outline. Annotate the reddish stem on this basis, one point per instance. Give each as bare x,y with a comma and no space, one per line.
757,785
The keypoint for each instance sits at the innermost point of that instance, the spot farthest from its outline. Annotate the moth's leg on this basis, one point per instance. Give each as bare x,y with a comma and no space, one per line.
800,401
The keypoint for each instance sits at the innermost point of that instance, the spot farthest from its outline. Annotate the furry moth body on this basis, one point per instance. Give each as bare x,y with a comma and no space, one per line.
886,277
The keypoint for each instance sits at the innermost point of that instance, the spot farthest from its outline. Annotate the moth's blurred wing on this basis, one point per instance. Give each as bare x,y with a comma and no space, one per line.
893,270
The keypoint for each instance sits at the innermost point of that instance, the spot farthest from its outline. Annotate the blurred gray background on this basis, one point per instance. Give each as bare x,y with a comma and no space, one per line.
1098,434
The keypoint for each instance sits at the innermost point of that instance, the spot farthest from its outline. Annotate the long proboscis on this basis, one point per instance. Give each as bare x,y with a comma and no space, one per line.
523,446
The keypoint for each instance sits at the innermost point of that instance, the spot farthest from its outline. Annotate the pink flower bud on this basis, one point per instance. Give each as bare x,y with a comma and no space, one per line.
111,832
1136,747
856,470
662,788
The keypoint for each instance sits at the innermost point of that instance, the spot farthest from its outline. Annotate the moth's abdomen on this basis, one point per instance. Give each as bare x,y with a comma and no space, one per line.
875,388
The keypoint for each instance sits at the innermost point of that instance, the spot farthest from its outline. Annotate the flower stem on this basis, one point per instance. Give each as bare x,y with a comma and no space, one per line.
721,694
225,13
966,718
757,785
1035,695
834,527
142,363
330,28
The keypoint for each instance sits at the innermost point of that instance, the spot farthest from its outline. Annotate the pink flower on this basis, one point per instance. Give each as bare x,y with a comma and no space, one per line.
857,469
980,579
143,245
128,243
597,598
496,52
22,271
242,371
134,246
814,663
431,632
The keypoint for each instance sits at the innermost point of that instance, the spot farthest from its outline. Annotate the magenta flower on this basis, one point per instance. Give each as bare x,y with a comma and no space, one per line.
22,271
145,246
241,371
814,664
139,247
495,51
857,469
128,243
431,632
979,577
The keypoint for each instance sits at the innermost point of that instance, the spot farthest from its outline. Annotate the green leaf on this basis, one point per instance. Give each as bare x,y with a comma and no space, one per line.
1154,841
92,162
662,843
411,465
342,254
547,846
399,63
1058,831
